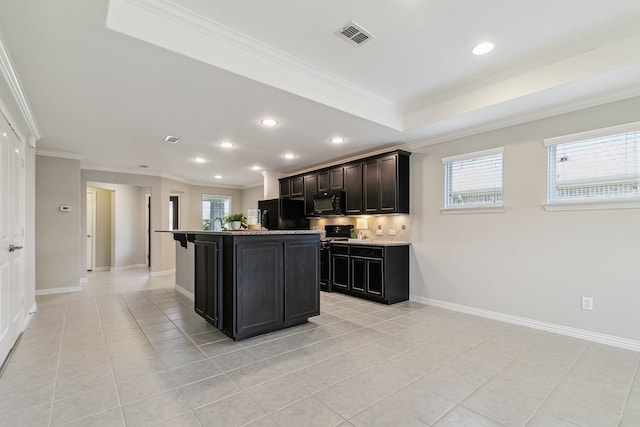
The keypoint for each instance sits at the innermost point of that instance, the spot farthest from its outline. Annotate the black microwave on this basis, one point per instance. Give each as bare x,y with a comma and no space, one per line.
328,203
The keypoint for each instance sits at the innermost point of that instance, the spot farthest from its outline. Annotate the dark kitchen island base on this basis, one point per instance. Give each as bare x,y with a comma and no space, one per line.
249,283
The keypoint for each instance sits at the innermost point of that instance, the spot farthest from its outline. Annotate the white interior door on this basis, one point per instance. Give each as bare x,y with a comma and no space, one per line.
91,227
12,259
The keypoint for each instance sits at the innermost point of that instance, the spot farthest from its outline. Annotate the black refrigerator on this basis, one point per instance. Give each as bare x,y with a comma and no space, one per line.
283,214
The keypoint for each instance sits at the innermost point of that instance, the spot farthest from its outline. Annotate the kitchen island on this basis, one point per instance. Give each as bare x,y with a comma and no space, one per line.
252,282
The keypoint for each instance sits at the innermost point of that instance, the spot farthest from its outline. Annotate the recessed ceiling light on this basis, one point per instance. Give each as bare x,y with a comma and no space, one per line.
226,144
171,139
269,122
337,140
483,48
199,160
217,176
256,167
289,156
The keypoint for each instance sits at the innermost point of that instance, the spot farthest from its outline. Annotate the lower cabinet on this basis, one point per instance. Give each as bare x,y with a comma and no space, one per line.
250,285
206,290
378,273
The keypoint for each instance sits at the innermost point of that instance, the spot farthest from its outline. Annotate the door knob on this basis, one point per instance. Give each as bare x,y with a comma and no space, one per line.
13,248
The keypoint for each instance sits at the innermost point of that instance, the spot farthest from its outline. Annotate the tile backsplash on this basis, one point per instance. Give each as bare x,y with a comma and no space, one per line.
400,223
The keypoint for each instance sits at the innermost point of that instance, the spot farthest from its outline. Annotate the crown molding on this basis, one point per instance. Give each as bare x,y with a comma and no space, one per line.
60,154
11,77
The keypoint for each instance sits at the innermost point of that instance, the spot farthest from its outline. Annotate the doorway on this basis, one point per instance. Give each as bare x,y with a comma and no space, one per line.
91,229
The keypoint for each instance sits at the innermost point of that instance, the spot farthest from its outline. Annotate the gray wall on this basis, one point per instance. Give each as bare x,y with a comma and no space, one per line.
58,251
528,262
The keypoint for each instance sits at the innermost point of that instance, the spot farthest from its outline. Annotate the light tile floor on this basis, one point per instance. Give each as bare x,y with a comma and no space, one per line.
129,350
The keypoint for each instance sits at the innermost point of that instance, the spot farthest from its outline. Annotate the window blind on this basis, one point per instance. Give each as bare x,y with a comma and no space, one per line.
598,166
474,179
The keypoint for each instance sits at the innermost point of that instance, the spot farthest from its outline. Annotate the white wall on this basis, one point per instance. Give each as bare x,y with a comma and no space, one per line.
58,247
250,197
528,262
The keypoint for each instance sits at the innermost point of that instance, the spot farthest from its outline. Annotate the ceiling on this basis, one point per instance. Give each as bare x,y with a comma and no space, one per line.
108,80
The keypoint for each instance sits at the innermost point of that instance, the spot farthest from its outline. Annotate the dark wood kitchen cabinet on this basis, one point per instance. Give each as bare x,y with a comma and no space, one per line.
378,273
258,287
386,184
301,301
285,187
340,269
206,289
323,181
250,284
353,188
336,179
310,189
297,187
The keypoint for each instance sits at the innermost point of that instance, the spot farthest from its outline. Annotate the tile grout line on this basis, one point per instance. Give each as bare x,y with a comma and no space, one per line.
562,377
113,374
55,381
626,402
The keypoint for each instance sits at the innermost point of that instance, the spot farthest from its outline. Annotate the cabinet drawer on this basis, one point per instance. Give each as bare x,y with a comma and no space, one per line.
367,251
339,249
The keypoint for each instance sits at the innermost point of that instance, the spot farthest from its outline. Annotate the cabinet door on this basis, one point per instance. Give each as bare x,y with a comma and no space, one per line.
371,183
259,287
388,184
205,292
302,281
310,188
375,277
358,274
297,187
340,271
353,188
323,181
285,187
336,179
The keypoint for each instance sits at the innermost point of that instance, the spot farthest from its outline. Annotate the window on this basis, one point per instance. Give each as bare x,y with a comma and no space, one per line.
595,166
473,180
214,208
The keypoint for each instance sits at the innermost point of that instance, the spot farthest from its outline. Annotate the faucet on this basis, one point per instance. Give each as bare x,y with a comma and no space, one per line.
213,220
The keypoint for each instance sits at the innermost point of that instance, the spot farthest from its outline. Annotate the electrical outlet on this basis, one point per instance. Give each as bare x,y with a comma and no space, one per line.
392,232
587,303
379,232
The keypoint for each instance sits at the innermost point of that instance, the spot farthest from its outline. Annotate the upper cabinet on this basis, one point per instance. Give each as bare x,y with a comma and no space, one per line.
310,189
374,185
386,184
353,188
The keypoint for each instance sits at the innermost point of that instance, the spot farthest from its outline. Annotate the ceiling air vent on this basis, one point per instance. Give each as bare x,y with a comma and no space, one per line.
171,139
354,33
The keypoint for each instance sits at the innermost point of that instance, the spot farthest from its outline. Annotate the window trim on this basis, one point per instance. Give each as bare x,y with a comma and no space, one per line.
215,196
596,204
488,209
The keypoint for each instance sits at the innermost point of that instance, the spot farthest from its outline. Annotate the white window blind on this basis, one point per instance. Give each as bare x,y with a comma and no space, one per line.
599,165
474,179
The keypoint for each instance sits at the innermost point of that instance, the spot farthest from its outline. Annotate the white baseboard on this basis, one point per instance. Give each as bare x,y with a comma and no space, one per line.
58,290
128,267
101,269
162,273
535,324
184,292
